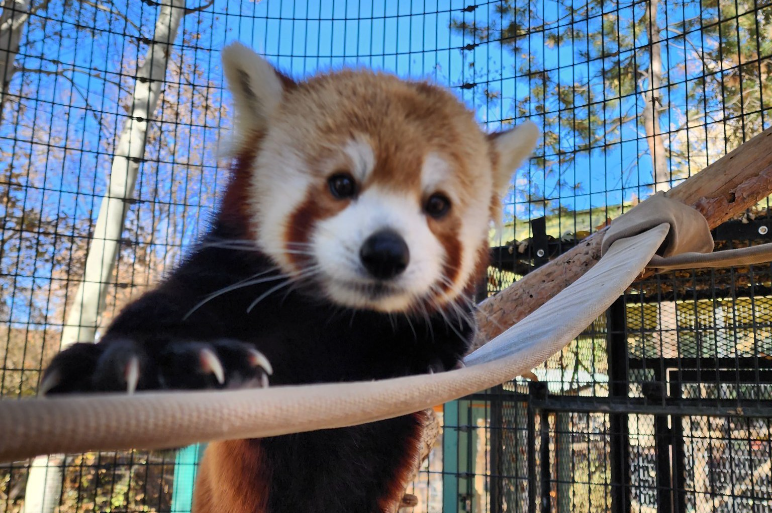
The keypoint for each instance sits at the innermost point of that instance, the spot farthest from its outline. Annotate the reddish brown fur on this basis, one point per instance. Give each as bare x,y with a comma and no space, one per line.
318,205
232,478
448,237
389,503
299,229
481,268
235,203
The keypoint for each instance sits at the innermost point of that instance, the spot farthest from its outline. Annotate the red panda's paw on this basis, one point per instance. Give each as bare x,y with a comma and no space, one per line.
123,365
71,371
217,364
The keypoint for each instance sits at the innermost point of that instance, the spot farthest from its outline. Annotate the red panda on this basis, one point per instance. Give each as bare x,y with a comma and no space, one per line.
346,248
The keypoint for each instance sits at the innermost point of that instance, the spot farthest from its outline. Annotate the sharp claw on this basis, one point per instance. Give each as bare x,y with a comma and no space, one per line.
459,365
431,371
210,363
50,380
263,381
257,359
132,375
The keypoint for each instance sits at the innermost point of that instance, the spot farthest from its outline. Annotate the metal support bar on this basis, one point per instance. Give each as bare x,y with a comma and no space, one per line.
450,458
563,453
185,471
545,462
497,450
663,438
616,346
669,406
531,451
759,229
679,449
537,391
539,247
703,364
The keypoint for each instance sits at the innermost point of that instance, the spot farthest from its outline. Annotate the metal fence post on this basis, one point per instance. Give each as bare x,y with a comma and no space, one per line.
616,349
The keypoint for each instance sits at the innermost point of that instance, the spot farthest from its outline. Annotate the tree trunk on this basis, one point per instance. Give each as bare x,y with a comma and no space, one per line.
82,319
44,484
652,103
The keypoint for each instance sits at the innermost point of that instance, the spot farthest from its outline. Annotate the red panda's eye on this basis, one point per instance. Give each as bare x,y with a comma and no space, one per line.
437,205
342,185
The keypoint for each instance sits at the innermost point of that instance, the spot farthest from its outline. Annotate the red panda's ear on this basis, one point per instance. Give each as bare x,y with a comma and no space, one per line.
511,148
256,87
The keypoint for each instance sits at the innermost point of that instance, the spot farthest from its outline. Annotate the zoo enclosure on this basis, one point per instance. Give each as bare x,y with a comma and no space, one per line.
632,97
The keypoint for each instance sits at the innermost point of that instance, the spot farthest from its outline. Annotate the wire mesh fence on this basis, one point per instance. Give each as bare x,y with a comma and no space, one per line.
663,404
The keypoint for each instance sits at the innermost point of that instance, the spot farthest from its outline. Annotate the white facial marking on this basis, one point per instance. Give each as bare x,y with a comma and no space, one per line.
436,175
281,184
362,158
337,242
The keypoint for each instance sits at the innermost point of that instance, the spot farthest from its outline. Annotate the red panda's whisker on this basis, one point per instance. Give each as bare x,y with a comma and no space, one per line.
267,293
458,310
239,285
479,311
447,281
271,291
448,323
231,244
391,321
425,314
291,280
297,252
467,316
441,311
412,328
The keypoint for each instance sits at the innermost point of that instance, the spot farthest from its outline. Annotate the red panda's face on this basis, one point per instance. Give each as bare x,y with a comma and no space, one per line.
377,190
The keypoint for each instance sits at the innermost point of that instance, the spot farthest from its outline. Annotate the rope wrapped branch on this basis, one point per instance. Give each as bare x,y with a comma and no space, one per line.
721,191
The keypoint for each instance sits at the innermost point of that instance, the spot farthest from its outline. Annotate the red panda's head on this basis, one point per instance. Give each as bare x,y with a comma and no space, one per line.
379,189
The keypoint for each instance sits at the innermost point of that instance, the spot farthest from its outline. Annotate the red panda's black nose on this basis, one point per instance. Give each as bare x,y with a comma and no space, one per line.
385,254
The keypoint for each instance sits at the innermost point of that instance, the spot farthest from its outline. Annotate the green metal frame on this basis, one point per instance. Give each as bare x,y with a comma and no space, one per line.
185,471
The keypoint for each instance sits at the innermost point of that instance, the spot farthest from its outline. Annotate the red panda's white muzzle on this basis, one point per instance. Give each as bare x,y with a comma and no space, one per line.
378,253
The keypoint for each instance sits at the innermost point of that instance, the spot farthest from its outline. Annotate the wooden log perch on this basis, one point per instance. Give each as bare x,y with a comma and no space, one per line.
721,191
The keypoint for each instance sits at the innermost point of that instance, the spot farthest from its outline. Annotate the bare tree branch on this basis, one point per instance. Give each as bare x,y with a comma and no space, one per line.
107,9
191,10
